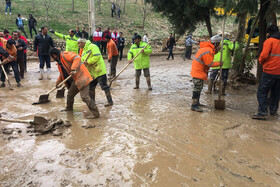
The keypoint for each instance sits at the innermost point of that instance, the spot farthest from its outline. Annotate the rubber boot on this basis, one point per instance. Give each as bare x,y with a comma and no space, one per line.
109,98
69,106
224,88
195,107
41,74
148,79
49,73
210,87
137,82
2,85
94,110
199,104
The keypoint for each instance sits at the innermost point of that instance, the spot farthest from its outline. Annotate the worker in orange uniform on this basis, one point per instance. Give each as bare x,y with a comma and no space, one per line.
113,55
202,61
69,63
270,81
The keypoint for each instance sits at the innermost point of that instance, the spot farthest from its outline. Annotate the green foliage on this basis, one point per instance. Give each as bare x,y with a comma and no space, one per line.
250,60
62,18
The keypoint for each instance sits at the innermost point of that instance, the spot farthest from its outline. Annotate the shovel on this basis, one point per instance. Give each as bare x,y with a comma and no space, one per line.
110,84
37,120
220,103
9,84
45,98
60,92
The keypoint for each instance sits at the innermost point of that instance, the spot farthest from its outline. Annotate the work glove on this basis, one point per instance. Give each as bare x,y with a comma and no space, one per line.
52,31
73,72
57,85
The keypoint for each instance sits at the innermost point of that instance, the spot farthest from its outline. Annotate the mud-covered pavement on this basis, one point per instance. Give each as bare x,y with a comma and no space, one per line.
147,138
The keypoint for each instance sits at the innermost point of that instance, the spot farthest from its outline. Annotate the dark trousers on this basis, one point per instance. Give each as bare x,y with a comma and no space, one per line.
8,5
101,80
113,12
103,47
25,62
188,52
120,51
30,30
45,59
269,82
170,52
113,65
214,73
22,29
14,65
20,61
97,43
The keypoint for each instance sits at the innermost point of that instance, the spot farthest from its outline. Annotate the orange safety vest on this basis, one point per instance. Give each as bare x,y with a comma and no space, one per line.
72,61
203,60
270,56
12,51
112,49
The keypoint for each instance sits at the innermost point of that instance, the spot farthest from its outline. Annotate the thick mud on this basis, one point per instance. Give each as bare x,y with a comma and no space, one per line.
147,138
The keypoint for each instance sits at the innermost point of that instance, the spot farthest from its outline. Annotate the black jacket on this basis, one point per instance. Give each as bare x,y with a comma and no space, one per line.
171,42
78,34
43,44
120,42
32,22
8,1
21,44
85,35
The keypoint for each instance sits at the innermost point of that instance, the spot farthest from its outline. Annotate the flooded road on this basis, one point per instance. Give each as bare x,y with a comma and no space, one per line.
147,138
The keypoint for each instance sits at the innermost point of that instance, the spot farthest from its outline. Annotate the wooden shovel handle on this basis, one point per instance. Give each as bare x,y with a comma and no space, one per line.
15,120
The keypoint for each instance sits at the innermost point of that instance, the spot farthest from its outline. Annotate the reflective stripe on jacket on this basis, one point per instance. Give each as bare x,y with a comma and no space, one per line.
143,60
71,42
112,49
96,65
72,61
229,47
203,60
270,55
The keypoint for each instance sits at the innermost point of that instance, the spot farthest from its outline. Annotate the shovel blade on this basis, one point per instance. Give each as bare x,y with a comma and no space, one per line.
220,104
60,93
42,99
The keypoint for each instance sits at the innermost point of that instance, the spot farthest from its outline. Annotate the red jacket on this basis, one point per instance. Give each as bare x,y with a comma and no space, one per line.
203,60
24,39
270,55
9,37
97,36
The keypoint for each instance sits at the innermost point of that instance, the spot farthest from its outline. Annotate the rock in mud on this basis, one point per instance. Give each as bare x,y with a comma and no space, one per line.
7,131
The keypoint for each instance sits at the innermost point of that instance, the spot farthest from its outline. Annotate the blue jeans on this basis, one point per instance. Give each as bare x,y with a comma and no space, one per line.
43,59
269,82
215,72
8,5
14,65
97,43
170,52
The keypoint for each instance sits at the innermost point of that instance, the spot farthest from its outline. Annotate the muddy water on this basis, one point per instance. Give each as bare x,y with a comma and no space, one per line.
148,138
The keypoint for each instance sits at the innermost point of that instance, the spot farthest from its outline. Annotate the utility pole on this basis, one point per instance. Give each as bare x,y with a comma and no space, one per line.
91,19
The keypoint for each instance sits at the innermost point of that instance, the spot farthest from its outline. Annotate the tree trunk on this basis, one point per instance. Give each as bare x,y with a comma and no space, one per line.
124,3
241,26
47,10
33,7
99,6
262,33
72,5
135,1
242,63
208,24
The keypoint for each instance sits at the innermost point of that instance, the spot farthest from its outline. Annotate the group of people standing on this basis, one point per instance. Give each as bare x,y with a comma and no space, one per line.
16,46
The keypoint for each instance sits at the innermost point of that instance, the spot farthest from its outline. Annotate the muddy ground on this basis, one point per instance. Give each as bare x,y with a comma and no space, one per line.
148,138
